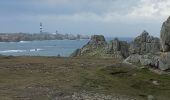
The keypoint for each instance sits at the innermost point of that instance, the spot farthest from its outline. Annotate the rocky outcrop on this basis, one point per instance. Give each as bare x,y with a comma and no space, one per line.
165,36
119,48
164,61
97,41
146,49
144,44
94,47
98,47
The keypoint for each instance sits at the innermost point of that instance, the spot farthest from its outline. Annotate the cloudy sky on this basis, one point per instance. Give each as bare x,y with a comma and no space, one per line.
120,18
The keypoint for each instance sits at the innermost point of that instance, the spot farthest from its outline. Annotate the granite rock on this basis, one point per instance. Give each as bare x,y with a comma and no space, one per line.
145,60
165,36
118,47
144,44
164,61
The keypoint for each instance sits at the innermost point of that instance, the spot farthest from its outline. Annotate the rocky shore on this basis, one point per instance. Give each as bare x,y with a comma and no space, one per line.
145,49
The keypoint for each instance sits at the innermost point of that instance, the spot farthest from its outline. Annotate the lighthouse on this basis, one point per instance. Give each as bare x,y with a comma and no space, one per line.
41,28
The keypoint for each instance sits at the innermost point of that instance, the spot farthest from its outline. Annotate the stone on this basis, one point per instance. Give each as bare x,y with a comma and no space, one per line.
160,61
155,82
145,60
144,44
96,44
165,36
151,97
133,59
98,47
164,61
149,60
97,41
118,47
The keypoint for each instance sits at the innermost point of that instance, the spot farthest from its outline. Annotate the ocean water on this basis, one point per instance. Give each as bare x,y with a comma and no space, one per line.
41,48
44,48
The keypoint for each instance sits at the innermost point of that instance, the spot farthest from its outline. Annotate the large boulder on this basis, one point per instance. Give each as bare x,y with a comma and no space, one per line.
150,60
160,60
164,61
133,59
165,36
144,44
145,60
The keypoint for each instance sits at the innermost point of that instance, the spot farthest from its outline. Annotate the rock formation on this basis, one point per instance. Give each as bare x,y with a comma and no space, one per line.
145,49
97,41
164,61
98,47
165,36
94,47
144,44
145,60
119,48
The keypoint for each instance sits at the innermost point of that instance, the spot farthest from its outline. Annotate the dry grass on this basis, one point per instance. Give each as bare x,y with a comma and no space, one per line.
45,78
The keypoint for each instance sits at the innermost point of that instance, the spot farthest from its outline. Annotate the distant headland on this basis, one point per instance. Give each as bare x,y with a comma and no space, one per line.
17,37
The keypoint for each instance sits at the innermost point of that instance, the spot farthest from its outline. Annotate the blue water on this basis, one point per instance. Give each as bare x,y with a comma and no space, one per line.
44,48
41,48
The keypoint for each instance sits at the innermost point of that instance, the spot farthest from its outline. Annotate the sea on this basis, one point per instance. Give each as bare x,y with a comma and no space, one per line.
45,48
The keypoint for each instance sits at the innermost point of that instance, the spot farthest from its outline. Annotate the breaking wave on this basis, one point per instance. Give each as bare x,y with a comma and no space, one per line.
17,51
12,51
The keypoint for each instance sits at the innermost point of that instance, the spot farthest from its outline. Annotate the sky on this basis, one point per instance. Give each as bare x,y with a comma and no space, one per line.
116,18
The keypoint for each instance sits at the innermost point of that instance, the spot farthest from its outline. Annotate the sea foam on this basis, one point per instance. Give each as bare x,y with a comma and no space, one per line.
12,51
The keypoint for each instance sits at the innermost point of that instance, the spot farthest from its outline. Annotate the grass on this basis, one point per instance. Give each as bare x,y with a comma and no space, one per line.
45,78
133,82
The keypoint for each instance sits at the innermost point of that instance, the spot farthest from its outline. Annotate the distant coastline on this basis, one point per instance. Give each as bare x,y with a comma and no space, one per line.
17,37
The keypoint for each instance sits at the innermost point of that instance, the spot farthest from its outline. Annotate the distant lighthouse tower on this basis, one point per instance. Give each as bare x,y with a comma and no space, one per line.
41,28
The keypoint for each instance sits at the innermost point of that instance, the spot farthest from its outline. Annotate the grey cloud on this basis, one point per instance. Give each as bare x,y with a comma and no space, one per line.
110,17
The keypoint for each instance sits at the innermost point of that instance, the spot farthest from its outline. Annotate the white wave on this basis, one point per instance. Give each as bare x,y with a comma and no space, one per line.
12,51
24,42
39,49
33,50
